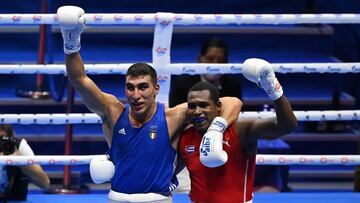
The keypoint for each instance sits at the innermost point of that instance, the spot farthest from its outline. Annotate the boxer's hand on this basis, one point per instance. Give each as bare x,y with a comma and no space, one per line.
101,169
211,146
261,72
72,23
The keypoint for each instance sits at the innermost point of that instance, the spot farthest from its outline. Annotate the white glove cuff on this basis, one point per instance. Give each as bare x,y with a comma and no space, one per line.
70,48
72,37
71,41
218,124
25,149
274,90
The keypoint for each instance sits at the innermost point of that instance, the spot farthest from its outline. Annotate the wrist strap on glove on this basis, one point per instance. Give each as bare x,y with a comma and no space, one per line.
218,124
72,38
271,86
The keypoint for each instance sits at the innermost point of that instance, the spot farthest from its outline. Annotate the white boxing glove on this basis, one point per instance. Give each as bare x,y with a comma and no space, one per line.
211,146
101,169
261,72
72,23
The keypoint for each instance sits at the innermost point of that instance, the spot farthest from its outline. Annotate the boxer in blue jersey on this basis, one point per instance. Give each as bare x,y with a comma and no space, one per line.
142,135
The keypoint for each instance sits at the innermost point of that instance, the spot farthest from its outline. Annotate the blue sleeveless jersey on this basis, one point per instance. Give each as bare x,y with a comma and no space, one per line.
143,157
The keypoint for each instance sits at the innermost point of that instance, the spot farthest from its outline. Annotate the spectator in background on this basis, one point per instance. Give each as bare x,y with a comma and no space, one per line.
14,179
212,51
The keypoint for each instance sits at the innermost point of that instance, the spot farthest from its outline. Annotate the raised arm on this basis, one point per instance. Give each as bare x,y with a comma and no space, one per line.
230,108
72,24
92,96
261,72
272,128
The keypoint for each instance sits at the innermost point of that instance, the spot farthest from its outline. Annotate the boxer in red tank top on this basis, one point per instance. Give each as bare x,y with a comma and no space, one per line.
233,181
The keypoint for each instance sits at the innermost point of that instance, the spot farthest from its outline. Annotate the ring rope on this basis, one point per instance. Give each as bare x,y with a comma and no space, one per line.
47,159
266,159
183,68
186,19
91,118
261,159
183,19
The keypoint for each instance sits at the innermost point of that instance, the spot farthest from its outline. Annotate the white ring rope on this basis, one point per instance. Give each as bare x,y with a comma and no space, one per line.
183,19
309,115
47,160
186,19
91,118
266,159
183,68
261,159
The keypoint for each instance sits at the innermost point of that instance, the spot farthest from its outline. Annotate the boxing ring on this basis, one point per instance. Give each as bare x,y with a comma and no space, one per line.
259,197
164,24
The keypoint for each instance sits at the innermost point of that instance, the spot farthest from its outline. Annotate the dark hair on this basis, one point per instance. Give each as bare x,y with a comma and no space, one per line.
200,86
8,129
142,69
215,42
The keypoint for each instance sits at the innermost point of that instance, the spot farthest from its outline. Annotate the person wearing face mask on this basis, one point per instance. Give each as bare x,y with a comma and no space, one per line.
212,51
14,179
198,150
